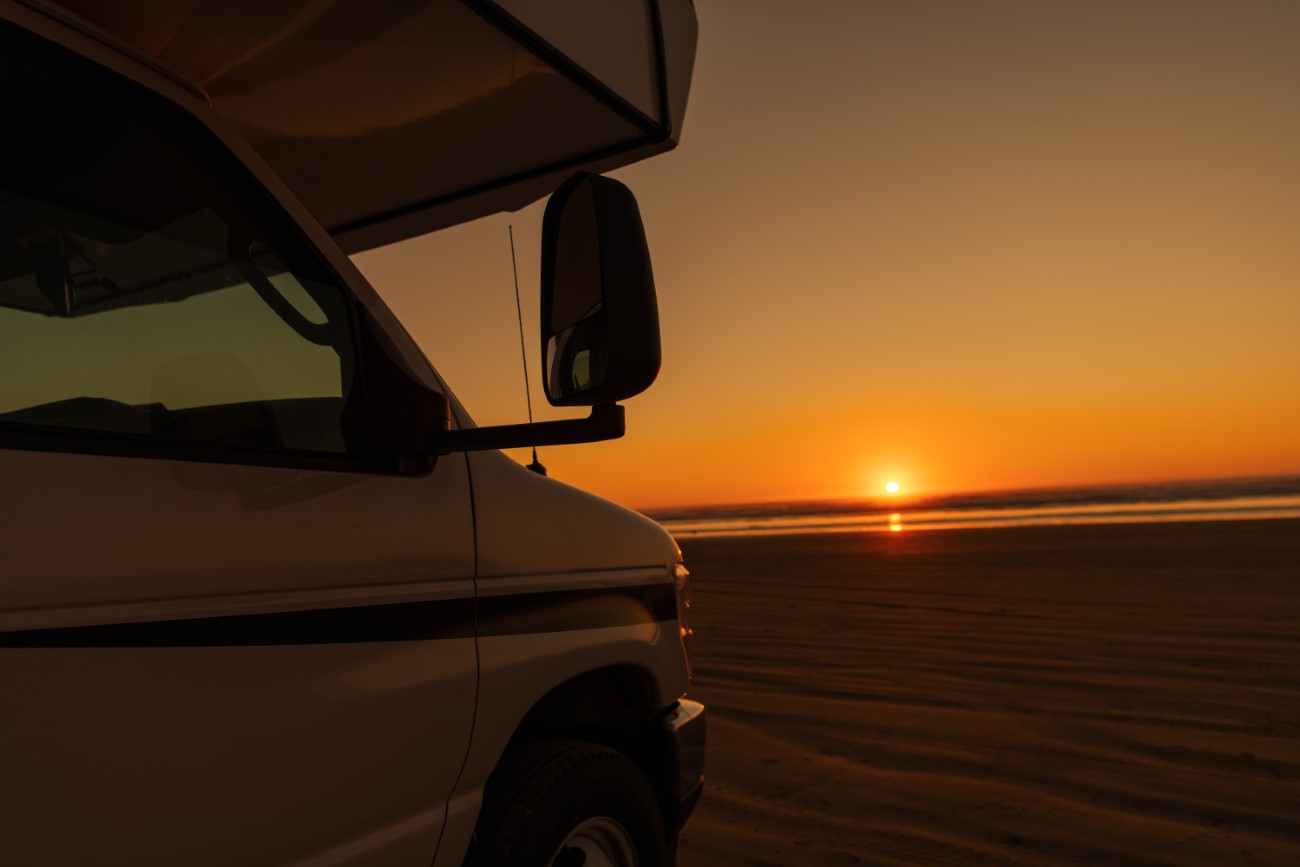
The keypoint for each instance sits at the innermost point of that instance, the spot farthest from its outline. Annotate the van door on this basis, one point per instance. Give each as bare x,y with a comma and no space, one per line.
231,631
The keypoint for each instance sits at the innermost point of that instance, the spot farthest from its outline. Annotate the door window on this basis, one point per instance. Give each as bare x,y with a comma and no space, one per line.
147,288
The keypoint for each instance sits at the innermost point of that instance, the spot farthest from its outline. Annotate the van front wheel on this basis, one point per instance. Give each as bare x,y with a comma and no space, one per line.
568,804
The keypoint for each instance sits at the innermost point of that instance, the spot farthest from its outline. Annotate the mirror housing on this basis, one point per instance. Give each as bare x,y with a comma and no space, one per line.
600,320
600,317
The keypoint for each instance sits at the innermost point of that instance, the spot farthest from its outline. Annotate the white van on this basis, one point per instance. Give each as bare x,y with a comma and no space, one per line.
268,596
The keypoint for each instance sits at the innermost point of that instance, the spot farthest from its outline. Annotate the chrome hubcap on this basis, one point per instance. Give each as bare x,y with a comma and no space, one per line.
598,842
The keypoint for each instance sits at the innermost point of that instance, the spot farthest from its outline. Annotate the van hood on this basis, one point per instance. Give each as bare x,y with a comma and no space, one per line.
528,524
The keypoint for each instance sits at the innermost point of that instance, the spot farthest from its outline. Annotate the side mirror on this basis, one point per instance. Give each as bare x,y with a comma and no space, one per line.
600,318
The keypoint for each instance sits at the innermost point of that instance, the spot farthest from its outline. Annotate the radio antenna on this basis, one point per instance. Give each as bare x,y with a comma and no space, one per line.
536,465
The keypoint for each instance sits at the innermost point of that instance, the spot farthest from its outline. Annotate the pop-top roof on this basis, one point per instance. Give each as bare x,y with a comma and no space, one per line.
393,119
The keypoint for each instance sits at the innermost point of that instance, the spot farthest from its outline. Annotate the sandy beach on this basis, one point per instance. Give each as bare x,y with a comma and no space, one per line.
1041,695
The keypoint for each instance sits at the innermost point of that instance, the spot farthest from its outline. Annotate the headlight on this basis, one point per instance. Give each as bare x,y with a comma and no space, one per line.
682,580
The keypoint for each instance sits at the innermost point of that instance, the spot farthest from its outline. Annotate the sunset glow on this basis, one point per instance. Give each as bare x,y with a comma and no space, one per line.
891,487
1131,319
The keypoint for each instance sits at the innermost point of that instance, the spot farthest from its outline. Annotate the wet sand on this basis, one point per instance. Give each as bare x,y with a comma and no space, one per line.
1044,695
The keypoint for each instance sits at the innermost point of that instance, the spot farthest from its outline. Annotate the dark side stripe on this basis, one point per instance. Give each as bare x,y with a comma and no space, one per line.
517,614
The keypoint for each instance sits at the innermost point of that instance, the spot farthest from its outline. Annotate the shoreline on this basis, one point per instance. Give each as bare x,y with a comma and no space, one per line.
903,521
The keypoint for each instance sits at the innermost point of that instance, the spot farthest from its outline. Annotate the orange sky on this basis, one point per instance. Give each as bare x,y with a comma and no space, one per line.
964,245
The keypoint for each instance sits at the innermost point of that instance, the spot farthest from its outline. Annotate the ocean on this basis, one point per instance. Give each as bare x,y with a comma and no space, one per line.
1205,500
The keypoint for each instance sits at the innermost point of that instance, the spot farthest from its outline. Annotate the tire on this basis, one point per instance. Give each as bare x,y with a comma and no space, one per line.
568,804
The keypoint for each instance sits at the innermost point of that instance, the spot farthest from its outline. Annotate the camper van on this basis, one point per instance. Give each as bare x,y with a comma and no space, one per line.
268,594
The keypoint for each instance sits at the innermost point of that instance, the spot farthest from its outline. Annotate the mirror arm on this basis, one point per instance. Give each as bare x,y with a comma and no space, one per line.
604,423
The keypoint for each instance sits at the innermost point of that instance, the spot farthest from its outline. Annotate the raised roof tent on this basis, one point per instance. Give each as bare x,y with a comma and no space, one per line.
393,119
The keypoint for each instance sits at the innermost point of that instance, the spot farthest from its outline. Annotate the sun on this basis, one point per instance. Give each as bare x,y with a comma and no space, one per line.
892,487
